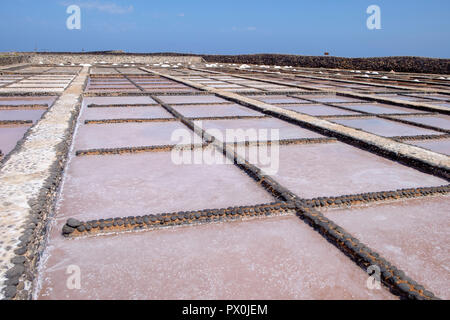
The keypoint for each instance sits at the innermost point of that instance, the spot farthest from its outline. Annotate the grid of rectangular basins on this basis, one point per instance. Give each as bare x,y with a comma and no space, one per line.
423,128
17,115
134,83
46,69
360,114
38,83
130,79
354,79
121,171
8,79
20,107
235,84
117,83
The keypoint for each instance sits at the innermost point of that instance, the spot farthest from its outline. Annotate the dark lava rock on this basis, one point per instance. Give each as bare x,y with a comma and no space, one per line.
404,287
10,292
15,271
418,287
12,281
67,230
18,260
428,293
399,273
415,296
20,251
25,238
73,223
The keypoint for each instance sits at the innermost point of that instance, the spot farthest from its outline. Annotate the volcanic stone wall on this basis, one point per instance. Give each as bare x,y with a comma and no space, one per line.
10,59
398,64
91,58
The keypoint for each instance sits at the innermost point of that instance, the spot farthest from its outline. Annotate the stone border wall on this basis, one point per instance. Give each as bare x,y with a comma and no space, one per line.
92,58
398,64
6,60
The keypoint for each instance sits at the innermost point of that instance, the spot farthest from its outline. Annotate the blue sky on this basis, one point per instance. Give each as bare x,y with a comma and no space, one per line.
412,28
